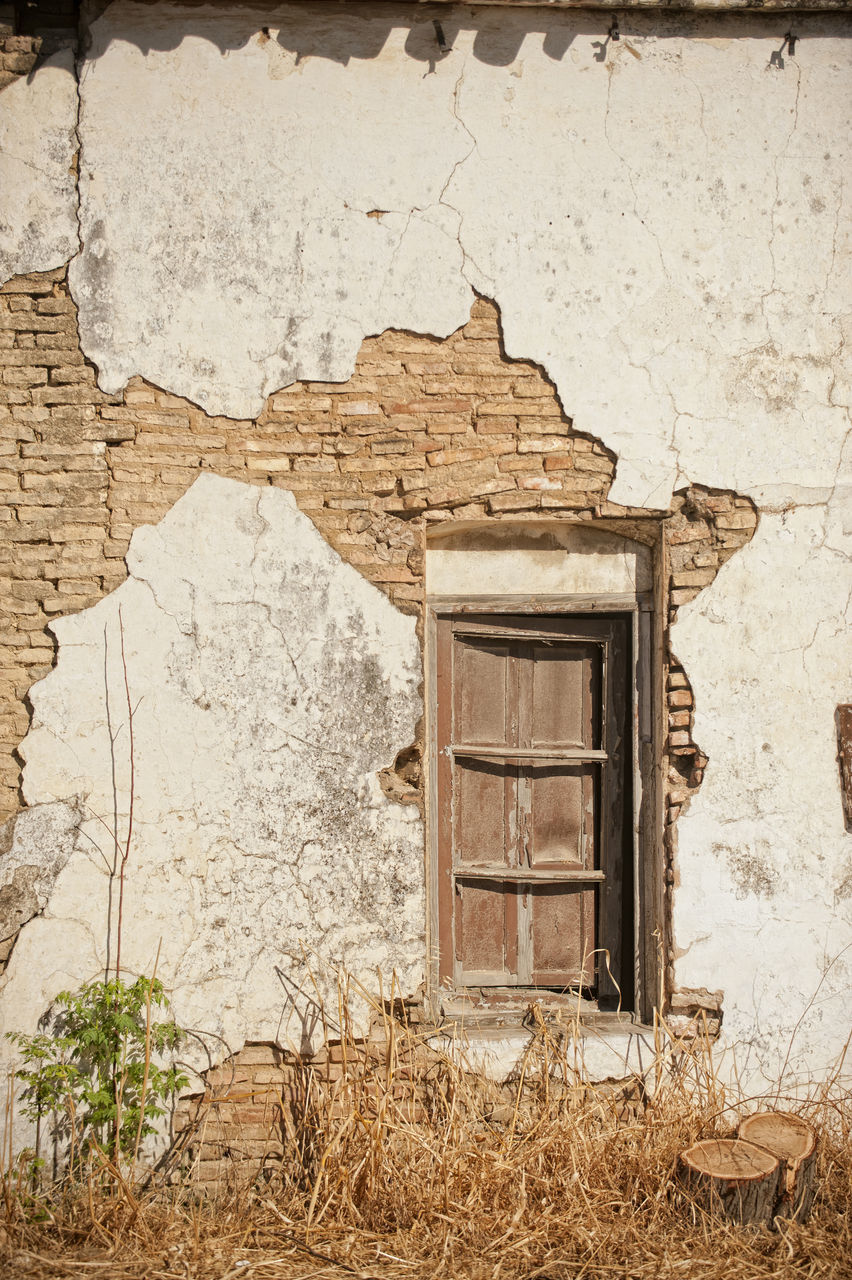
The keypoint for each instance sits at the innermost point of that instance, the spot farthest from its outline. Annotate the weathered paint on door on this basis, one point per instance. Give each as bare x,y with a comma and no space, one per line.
531,750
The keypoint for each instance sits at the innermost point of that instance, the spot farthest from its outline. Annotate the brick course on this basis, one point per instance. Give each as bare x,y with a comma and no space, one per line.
262,1103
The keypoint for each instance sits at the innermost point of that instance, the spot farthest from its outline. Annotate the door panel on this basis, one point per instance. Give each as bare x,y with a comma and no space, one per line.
485,811
564,680
532,726
487,935
561,824
480,692
563,929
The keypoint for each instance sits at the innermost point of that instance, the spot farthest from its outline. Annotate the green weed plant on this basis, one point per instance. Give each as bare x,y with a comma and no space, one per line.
96,1070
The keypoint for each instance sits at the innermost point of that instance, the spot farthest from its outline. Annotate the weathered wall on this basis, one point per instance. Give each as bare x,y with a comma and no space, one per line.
764,861
33,851
259,825
374,462
663,225
649,225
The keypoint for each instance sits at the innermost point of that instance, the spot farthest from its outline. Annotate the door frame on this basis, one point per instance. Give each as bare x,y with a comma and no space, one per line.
646,695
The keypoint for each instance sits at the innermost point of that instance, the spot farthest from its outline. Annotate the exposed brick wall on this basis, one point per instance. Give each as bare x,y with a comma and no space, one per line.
694,1013
262,1101
264,1107
245,1113
425,431
18,53
54,535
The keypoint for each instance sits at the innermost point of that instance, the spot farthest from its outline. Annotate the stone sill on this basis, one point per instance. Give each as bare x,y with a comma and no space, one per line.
613,1047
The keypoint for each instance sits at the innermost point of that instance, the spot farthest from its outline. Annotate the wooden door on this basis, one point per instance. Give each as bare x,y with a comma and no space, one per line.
532,749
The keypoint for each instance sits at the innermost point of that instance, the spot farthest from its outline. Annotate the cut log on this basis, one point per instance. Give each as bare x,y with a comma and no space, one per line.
733,1179
793,1143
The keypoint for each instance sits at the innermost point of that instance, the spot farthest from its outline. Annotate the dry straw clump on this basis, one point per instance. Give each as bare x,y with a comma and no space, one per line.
408,1166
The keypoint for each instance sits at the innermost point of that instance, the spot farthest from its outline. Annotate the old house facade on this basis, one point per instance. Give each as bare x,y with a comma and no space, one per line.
425,453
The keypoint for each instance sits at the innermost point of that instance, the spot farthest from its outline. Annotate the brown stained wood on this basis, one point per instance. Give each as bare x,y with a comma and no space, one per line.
712,6
528,755
563,922
793,1143
444,771
528,875
733,1179
482,928
532,810
843,717
561,711
481,835
613,830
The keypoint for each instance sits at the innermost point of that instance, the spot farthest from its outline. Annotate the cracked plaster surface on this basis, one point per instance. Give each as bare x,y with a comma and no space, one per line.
271,682
255,176
38,192
666,231
762,904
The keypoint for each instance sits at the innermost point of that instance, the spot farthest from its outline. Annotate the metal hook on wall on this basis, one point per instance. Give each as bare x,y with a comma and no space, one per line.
776,58
440,37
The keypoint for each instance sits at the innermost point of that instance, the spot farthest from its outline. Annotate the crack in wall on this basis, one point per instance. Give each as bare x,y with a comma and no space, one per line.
442,200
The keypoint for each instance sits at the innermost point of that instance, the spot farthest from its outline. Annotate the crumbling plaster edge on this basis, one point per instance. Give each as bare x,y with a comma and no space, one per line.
672,473
654,519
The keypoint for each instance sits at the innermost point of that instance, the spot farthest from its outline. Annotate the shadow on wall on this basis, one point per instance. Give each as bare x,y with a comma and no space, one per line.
346,32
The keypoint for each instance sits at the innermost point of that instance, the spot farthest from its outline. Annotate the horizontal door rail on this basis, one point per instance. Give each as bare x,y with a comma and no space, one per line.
543,755
540,637
529,875
496,978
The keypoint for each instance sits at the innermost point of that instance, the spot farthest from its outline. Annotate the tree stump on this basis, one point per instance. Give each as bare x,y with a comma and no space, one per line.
793,1142
733,1179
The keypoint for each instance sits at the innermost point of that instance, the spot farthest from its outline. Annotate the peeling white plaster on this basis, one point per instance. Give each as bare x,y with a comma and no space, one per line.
763,907
38,195
665,231
272,683
254,177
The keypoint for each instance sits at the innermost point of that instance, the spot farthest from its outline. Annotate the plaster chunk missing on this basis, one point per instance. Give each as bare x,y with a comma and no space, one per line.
261,835
402,782
34,848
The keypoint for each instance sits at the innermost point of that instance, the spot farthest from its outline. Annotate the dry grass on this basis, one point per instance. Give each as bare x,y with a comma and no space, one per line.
544,1179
